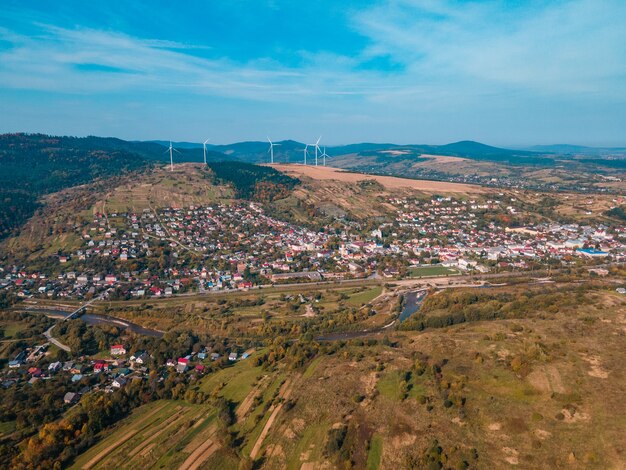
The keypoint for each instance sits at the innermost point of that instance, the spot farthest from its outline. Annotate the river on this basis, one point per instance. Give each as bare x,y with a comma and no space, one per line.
412,303
97,319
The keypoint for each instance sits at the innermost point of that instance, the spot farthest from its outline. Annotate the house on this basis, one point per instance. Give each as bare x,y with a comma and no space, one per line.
118,350
119,382
54,367
181,368
215,356
77,377
69,365
232,356
141,358
123,372
183,361
200,368
34,371
70,397
171,363
78,369
100,366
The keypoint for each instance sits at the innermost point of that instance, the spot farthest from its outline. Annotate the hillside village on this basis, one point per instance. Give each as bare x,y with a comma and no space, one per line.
238,246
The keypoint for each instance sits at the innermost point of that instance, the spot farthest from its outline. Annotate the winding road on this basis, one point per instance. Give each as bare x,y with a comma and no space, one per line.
48,332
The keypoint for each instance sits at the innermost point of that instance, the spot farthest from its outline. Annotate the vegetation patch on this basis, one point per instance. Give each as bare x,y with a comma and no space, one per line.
254,182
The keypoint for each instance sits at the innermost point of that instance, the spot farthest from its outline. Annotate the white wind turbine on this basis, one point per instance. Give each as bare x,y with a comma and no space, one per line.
204,147
171,150
317,147
306,150
325,155
271,150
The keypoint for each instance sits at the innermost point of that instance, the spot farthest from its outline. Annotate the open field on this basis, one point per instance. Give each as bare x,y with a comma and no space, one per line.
389,182
155,434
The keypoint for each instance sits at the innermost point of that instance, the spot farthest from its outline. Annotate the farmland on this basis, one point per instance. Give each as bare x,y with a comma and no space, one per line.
389,182
526,392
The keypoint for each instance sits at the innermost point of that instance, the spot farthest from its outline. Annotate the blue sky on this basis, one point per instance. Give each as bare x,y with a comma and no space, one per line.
504,72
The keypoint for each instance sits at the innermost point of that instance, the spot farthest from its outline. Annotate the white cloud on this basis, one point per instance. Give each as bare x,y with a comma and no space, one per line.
555,47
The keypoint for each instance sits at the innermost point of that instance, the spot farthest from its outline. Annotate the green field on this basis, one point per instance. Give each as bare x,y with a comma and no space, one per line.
7,427
375,453
158,435
431,271
365,297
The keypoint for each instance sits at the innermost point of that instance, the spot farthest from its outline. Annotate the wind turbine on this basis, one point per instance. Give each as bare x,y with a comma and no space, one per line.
171,150
317,147
306,149
324,155
271,150
204,147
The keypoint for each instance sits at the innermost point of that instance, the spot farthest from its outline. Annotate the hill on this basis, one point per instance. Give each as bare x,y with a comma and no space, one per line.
255,182
35,164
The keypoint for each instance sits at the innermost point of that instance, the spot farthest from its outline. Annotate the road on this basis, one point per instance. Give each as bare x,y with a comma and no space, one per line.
48,332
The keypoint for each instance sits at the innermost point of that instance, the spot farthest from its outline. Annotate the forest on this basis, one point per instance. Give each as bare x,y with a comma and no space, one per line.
254,182
34,165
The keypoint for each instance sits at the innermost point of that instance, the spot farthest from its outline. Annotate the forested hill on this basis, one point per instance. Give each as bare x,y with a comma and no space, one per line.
259,183
32,165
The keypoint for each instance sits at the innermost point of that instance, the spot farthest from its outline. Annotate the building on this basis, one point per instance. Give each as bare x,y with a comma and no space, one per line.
118,350
70,398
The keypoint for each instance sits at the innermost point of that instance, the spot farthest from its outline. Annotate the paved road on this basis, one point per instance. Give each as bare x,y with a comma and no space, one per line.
48,332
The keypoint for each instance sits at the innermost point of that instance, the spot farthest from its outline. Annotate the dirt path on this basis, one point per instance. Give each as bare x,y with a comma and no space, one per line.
138,427
164,426
201,454
246,404
285,393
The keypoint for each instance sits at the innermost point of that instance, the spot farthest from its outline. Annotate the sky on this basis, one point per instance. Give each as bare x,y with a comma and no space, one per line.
503,72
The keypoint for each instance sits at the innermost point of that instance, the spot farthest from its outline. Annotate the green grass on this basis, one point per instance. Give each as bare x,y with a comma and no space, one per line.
365,297
375,453
238,380
389,385
428,271
311,441
7,427
310,370
11,328
163,436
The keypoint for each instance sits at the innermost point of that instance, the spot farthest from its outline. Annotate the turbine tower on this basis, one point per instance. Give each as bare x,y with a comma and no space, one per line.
171,150
271,150
324,155
317,147
204,147
306,150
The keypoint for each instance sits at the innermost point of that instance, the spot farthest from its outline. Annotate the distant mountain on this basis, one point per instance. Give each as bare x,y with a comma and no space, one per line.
566,149
178,145
476,149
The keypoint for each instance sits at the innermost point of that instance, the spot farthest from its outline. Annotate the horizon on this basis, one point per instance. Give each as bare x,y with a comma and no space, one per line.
510,75
345,144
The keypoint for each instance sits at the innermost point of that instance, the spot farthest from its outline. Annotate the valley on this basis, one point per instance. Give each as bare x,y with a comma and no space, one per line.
223,302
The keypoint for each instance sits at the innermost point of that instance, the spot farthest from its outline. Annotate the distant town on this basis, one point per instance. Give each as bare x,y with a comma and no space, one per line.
238,246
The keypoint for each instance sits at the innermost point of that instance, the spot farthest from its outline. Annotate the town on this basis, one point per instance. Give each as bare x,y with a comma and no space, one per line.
239,246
